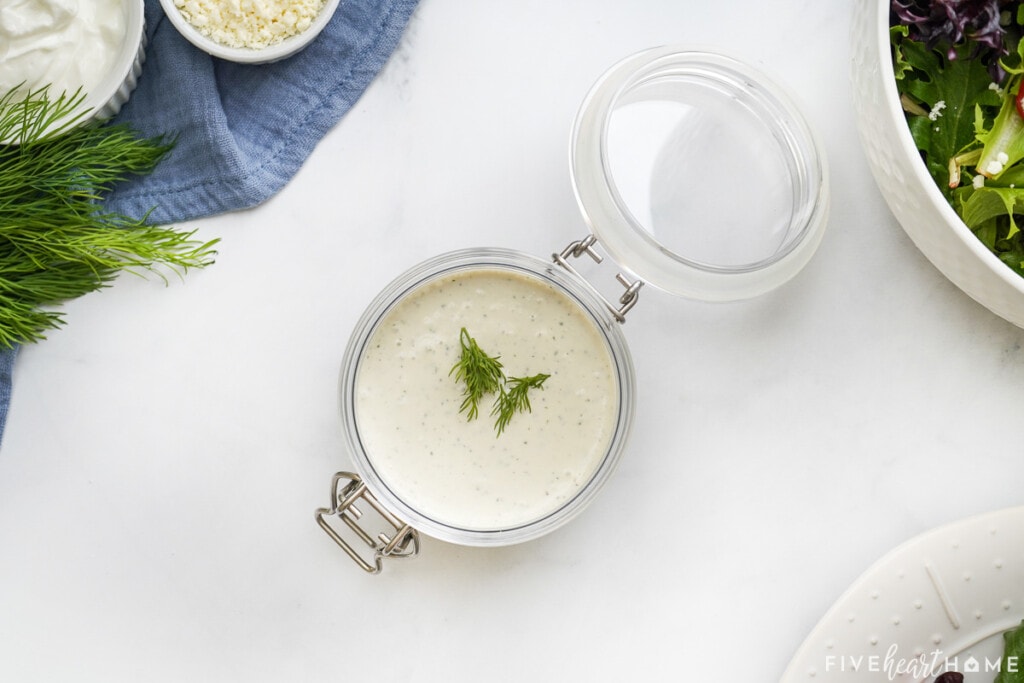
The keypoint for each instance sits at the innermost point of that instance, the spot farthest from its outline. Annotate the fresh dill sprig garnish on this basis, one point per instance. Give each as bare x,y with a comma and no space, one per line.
481,374
515,399
56,240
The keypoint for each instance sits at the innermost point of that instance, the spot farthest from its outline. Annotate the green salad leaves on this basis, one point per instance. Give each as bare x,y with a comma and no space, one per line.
960,84
1011,669
56,240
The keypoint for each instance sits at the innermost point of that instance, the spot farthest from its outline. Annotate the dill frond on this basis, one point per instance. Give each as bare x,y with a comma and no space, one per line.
515,399
482,375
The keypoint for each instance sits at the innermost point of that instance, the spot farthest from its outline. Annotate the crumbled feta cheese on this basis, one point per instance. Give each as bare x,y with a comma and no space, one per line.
995,88
1002,158
936,111
994,168
249,23
978,182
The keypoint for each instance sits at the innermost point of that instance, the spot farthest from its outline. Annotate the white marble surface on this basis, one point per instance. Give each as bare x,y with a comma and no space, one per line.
165,451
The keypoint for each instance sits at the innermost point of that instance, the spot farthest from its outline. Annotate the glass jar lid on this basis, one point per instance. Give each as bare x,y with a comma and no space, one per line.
698,174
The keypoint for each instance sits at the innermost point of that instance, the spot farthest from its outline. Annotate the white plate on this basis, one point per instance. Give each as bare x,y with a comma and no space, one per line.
943,599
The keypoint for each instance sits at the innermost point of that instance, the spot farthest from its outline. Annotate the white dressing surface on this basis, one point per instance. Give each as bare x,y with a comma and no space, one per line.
458,471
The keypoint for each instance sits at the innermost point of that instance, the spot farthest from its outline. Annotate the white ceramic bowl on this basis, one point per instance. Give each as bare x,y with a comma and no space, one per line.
904,181
105,99
117,86
272,53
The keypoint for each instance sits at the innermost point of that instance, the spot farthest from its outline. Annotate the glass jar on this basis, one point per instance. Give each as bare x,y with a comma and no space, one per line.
695,174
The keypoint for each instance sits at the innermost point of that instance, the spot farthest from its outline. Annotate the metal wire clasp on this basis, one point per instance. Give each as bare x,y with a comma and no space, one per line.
346,489
586,246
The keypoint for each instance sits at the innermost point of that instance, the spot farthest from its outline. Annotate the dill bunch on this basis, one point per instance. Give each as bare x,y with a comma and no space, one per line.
56,241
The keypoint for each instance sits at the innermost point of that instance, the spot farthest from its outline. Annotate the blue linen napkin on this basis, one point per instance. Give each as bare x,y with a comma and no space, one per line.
242,131
7,357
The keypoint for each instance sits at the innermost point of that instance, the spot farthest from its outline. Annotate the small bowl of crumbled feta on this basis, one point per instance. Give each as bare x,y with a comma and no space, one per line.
250,31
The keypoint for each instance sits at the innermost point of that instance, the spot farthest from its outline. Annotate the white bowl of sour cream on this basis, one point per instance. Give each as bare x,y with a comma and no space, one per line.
97,46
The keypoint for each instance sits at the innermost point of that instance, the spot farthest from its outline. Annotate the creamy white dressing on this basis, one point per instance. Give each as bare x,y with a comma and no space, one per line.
460,472
66,44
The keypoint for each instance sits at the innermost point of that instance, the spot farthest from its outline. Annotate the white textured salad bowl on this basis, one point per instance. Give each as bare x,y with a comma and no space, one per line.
910,192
